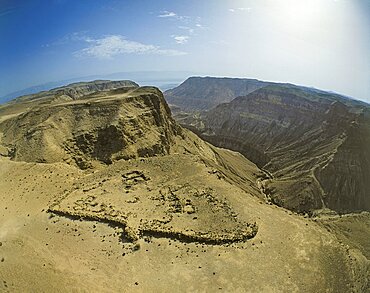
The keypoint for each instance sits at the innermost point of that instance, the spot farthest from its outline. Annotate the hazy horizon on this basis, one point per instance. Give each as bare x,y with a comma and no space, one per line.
161,83
320,43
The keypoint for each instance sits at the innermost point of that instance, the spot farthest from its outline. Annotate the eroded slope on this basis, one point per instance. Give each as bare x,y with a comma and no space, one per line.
315,145
136,122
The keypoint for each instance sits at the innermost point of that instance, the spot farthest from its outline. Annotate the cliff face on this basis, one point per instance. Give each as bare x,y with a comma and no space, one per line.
202,93
314,144
106,126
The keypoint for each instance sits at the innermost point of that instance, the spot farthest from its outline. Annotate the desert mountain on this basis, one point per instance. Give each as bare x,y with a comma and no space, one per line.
203,93
78,130
313,144
102,190
74,91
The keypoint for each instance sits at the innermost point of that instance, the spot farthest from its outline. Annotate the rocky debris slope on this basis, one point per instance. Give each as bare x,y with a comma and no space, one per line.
315,144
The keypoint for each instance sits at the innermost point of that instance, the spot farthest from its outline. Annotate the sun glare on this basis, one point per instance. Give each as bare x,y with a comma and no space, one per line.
299,14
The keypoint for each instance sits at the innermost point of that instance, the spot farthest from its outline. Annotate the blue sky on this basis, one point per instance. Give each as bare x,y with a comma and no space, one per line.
320,43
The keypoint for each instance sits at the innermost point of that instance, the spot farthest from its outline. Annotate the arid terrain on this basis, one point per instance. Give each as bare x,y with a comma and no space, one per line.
314,145
102,190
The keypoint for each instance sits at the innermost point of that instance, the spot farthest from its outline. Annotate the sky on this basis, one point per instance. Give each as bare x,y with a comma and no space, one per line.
319,43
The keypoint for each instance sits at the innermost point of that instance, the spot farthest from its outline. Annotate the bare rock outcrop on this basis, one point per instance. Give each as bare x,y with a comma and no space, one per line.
101,127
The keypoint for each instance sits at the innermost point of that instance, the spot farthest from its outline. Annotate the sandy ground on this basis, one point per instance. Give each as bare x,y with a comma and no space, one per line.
41,252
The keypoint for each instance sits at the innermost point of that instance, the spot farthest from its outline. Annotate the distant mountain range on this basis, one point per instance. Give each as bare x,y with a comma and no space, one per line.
203,93
161,79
